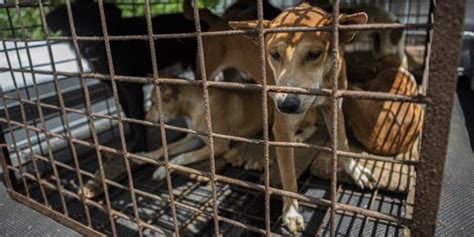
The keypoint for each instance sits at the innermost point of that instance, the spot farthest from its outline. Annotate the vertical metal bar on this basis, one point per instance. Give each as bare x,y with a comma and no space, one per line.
57,87
208,116
334,110
266,154
447,27
40,111
325,219
159,104
119,115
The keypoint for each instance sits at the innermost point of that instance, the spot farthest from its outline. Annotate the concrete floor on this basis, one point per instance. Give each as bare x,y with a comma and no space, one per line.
454,218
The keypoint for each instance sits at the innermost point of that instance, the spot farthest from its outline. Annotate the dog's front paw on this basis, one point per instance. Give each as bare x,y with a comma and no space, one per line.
362,176
234,158
293,220
159,173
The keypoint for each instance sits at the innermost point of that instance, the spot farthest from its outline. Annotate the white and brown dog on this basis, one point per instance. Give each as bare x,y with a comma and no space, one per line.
303,59
236,113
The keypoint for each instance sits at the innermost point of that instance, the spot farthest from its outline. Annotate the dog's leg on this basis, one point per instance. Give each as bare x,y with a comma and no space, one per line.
285,157
183,145
194,156
361,176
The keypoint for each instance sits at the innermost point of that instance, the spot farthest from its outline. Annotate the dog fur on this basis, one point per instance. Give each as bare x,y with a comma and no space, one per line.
131,57
303,59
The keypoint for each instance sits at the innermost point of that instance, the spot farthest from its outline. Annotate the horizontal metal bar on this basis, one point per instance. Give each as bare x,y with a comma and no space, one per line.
375,26
386,26
243,86
21,4
155,36
223,136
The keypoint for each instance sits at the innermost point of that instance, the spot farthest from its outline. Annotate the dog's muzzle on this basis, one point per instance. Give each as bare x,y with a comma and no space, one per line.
290,104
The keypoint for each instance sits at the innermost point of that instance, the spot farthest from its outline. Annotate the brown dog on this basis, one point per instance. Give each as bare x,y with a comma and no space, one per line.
303,60
386,127
236,113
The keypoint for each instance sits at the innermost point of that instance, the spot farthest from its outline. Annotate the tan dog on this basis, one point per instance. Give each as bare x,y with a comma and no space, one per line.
221,52
386,127
303,60
236,113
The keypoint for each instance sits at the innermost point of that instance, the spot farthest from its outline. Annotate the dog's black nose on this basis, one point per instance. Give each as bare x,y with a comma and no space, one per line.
289,105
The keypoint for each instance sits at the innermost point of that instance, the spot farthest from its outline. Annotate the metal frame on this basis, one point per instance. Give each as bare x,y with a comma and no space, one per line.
446,27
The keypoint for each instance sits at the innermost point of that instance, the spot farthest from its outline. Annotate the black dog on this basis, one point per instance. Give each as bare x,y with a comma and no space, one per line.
131,57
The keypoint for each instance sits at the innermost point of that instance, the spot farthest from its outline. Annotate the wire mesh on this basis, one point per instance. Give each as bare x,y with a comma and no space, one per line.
49,180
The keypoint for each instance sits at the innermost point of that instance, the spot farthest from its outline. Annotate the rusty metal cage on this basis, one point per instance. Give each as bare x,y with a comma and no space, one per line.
39,176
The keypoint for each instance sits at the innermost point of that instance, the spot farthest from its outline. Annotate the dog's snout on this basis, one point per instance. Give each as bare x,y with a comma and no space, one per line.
289,104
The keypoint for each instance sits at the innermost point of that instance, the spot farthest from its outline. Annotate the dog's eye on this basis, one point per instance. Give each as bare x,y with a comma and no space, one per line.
313,55
275,56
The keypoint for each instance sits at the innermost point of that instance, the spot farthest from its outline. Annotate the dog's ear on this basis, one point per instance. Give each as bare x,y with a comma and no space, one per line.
359,18
57,19
249,25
